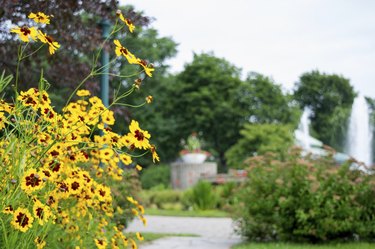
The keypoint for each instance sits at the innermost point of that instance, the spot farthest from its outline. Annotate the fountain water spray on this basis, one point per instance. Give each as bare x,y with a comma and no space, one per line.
359,139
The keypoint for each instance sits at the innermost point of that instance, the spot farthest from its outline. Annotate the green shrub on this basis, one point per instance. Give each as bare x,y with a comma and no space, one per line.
257,139
201,196
305,199
156,175
162,199
227,197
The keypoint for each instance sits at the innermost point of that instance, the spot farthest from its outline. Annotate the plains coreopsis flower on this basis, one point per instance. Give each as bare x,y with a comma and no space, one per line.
155,156
40,244
83,93
126,159
149,99
127,21
2,120
101,243
138,167
26,33
139,137
139,236
52,44
40,17
22,219
146,67
41,212
121,50
31,181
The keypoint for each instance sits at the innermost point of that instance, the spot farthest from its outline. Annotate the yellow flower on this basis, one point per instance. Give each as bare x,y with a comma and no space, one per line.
139,236
126,159
138,167
101,243
40,244
146,67
127,21
131,200
134,212
8,210
2,120
104,193
25,33
134,245
41,212
75,185
22,219
120,50
143,219
138,136
31,181
108,117
39,17
83,93
53,45
149,99
141,208
155,156
29,98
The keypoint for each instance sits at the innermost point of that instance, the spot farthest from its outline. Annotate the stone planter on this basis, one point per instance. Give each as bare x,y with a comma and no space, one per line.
186,175
194,157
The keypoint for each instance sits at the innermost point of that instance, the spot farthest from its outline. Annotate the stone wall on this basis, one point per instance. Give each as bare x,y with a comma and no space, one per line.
186,175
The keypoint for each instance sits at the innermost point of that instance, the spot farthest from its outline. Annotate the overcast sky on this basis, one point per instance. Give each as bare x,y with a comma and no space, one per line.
278,38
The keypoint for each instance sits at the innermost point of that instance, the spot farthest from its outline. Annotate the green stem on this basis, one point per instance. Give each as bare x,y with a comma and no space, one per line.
33,52
4,232
18,69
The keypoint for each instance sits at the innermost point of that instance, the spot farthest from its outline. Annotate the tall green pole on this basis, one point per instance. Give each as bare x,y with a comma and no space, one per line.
104,59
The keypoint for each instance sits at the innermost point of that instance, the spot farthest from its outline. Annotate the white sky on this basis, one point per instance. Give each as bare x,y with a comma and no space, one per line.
278,38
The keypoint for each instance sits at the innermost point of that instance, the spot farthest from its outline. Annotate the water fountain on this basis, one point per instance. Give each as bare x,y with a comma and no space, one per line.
359,138
304,128
303,138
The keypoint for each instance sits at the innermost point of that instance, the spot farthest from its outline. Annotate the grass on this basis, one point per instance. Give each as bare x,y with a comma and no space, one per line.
154,236
358,245
187,213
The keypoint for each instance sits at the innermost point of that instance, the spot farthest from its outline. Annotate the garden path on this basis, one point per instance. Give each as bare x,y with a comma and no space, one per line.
215,233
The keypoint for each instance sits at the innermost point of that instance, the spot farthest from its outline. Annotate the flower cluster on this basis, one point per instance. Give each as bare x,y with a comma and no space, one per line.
56,168
32,33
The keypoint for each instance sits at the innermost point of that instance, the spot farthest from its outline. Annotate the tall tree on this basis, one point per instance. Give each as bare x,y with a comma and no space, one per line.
330,98
204,100
265,101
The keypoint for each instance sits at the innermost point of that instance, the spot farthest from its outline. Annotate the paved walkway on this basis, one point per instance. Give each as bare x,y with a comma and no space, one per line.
215,233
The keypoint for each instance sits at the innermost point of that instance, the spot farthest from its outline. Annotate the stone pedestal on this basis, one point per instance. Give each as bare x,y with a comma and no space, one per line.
186,175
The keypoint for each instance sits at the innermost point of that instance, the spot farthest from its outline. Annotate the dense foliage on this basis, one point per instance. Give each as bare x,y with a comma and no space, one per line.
265,102
159,175
305,199
258,139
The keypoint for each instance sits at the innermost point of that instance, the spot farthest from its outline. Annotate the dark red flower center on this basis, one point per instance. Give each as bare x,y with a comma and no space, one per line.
22,219
39,213
124,51
25,30
32,180
75,185
139,135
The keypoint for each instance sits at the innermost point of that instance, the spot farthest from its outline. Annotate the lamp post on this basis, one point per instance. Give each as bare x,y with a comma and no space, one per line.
104,59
